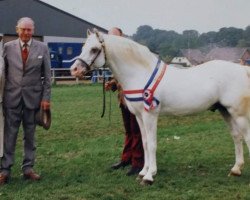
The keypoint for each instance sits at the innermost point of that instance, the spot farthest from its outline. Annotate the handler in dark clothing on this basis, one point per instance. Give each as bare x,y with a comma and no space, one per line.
133,150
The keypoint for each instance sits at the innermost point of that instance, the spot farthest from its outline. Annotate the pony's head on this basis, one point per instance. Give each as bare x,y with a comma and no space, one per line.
92,55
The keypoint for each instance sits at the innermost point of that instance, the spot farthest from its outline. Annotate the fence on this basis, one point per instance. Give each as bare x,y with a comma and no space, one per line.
63,74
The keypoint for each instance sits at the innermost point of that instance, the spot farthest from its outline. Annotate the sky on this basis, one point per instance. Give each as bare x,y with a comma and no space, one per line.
177,15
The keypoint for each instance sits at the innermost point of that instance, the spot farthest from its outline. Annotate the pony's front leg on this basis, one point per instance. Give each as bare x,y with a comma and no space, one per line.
144,170
150,124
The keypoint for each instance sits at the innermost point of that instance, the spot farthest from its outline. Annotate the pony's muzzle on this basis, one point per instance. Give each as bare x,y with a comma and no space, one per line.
77,71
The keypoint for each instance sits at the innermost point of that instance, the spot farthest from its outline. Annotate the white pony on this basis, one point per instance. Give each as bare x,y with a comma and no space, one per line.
151,88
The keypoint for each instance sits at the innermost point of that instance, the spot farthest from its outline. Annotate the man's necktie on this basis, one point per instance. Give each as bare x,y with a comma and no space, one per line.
25,53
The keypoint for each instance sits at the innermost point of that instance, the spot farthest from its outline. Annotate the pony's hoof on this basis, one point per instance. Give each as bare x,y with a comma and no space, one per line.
232,173
146,182
139,177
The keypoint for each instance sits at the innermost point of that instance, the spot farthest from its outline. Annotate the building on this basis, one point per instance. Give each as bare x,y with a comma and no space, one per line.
193,57
52,24
181,61
232,54
64,33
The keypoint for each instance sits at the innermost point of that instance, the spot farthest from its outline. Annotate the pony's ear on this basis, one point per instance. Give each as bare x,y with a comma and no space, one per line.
100,36
95,30
89,32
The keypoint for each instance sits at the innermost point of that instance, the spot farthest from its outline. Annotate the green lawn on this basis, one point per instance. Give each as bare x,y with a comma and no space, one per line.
75,155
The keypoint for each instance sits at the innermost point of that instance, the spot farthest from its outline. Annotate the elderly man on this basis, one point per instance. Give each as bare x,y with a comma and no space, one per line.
26,61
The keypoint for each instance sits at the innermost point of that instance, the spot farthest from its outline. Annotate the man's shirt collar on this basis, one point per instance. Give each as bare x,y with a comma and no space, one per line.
28,43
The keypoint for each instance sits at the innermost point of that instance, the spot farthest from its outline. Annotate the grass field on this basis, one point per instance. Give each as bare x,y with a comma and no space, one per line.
75,155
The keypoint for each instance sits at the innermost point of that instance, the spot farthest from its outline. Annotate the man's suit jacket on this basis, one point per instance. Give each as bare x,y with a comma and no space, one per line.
2,78
1,110
26,84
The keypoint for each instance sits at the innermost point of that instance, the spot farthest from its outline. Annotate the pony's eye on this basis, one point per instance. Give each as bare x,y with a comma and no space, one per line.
94,50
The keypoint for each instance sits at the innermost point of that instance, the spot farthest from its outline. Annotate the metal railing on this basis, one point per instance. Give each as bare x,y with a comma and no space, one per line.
62,74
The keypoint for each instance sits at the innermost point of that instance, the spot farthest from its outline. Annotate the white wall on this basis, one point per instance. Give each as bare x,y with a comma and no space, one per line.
48,39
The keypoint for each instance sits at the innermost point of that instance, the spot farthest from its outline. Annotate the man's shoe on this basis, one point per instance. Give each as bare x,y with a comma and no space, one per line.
134,171
3,179
119,165
31,175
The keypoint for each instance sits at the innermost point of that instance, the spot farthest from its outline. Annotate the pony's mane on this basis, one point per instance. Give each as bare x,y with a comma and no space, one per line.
128,49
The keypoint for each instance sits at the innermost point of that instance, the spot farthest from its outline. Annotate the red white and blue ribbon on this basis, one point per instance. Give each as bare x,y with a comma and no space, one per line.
147,94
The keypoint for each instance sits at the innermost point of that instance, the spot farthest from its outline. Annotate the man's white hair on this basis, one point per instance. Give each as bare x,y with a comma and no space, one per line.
25,19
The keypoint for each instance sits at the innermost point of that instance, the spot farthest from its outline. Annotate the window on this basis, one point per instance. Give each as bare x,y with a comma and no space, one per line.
60,50
69,51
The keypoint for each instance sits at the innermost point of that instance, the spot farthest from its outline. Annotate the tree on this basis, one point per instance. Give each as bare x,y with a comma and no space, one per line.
168,43
229,36
245,42
143,33
207,38
191,38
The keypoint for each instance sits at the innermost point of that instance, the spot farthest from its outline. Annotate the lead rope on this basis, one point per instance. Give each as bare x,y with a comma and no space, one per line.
110,107
104,94
103,83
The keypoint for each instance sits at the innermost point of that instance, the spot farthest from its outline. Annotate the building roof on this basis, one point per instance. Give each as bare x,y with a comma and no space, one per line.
49,20
195,56
232,54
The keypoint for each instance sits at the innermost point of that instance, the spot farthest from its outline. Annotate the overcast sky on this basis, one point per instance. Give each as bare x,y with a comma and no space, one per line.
177,15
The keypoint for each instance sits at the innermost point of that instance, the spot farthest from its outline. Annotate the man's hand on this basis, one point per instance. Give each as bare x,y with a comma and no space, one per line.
108,85
111,85
45,105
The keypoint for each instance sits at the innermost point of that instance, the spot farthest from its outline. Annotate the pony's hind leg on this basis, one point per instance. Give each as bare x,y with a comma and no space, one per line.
244,124
235,128
239,157
241,118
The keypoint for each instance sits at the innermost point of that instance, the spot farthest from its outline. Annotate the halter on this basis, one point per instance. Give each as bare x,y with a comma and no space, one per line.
88,66
147,95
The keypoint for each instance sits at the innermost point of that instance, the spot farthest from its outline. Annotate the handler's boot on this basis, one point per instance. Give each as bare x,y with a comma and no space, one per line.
119,165
31,175
3,178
